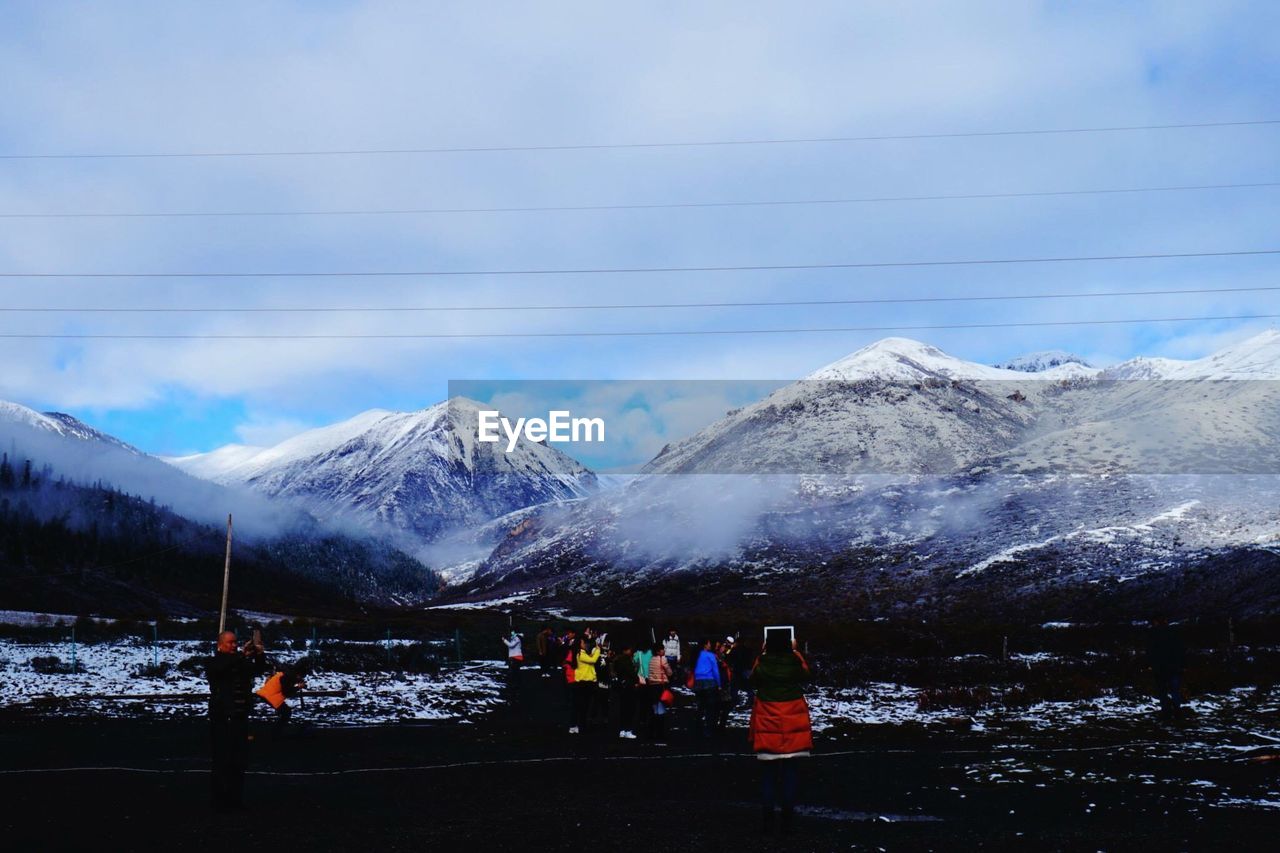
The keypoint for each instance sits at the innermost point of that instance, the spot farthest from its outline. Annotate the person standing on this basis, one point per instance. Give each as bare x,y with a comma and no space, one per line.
706,686
585,658
741,659
1166,654
658,681
515,653
568,650
780,730
724,700
545,643
598,711
641,658
643,654
625,683
230,672
671,648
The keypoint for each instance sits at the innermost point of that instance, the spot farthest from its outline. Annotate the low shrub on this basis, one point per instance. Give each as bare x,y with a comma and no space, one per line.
53,665
158,670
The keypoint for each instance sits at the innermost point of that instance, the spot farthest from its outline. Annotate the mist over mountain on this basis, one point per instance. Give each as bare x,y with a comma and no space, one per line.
897,477
905,470
80,453
89,523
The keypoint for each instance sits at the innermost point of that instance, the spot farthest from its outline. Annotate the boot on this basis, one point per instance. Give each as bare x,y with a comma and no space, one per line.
788,815
766,825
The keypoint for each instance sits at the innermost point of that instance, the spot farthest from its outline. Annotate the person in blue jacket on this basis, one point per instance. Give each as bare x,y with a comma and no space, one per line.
706,686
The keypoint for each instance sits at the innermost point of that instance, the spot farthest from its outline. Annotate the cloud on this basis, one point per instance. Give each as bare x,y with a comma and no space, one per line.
267,431
285,75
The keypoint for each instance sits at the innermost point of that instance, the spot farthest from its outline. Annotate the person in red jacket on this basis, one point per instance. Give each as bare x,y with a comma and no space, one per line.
780,730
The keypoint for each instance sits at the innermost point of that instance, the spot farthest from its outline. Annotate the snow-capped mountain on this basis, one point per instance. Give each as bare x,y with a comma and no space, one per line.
16,416
423,472
1005,484
900,406
1257,357
906,360
1040,362
83,454
65,478
1143,367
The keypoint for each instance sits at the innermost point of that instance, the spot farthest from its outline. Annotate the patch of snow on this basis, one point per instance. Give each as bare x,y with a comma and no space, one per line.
488,604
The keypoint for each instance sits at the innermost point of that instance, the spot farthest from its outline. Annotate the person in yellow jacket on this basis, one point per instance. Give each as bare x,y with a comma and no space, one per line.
281,686
585,657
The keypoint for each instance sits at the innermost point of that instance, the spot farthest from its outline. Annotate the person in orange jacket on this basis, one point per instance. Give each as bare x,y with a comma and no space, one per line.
281,686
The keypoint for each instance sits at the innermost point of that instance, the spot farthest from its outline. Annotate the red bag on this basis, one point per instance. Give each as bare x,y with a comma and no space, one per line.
688,682
667,698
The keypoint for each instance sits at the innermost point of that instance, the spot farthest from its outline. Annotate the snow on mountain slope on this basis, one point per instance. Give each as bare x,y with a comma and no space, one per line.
1164,426
903,406
830,427
1039,478
896,406
1144,367
237,463
906,360
902,359
58,423
1257,357
1039,362
422,472
216,465
83,454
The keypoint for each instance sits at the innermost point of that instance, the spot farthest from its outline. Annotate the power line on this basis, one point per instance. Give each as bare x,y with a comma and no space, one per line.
181,214
632,334
783,303
636,145
637,270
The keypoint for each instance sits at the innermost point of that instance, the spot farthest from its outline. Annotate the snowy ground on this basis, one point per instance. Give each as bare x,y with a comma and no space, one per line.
1214,719
1217,724
113,669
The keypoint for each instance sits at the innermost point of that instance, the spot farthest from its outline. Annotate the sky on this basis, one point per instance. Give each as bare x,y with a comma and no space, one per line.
262,76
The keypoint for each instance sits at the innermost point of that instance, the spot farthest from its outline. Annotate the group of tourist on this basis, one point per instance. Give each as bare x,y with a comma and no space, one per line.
634,687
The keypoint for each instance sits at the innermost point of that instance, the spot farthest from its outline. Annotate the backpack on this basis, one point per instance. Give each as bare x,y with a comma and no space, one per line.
569,666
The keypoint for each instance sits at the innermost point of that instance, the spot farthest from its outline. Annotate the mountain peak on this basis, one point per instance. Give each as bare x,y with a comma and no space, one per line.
422,472
902,359
1256,357
1038,362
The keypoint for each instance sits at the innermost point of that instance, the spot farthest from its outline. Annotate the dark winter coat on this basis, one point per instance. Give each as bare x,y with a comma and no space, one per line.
624,671
231,676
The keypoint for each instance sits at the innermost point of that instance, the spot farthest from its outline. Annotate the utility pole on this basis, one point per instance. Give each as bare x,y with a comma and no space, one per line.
226,580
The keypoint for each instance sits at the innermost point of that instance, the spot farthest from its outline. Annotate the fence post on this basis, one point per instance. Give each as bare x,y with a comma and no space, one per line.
388,645
155,642
457,642
73,648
